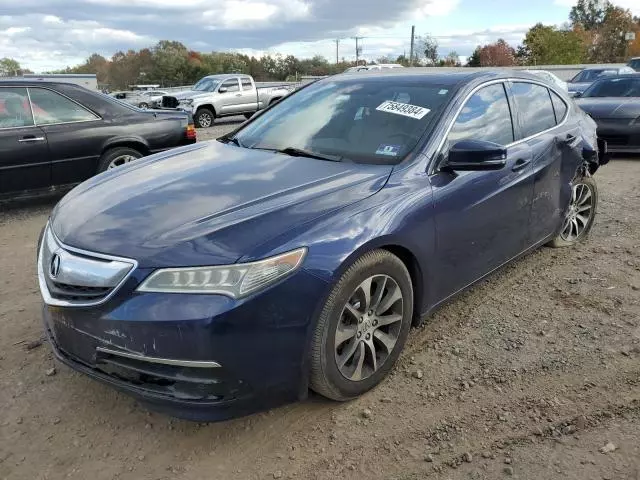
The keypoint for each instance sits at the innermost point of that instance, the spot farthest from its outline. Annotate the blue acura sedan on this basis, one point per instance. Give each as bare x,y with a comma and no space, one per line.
231,276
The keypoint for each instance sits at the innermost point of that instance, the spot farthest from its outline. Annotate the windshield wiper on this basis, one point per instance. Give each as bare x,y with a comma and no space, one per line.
299,152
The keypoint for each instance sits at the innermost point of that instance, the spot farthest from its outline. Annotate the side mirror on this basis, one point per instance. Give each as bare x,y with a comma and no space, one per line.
476,155
223,90
576,94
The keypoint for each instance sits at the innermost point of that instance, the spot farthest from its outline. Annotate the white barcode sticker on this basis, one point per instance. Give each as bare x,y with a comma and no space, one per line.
413,111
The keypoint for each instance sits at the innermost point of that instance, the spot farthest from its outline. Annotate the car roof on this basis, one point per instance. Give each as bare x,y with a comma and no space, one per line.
19,82
222,76
439,76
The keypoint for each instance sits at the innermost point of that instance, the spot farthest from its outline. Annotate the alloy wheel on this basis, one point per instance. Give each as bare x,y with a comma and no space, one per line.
580,212
369,327
120,160
204,119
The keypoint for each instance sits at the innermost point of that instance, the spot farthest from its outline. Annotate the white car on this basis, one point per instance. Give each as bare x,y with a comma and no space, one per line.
367,68
551,78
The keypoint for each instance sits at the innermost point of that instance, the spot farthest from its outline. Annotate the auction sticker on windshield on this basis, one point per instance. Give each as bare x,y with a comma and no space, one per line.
413,111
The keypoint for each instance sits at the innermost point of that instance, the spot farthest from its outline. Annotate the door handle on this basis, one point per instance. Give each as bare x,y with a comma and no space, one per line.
31,138
520,164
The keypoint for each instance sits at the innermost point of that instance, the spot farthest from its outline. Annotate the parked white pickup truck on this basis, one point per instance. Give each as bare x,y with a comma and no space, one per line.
224,95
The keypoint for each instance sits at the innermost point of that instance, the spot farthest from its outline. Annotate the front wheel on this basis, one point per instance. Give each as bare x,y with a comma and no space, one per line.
580,215
143,105
204,118
363,327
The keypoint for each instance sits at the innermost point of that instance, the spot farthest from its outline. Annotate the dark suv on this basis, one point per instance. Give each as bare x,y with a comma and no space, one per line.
634,63
60,134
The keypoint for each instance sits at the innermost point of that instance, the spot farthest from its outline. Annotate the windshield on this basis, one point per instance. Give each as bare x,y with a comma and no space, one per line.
635,64
377,120
206,85
615,87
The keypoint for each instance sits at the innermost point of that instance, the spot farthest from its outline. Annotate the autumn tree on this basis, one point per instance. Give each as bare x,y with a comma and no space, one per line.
610,44
498,54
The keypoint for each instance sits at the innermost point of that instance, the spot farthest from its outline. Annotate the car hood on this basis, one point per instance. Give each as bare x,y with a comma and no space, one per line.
578,86
192,94
205,204
612,107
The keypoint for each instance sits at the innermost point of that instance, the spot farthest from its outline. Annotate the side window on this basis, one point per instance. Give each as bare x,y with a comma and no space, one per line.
15,110
231,85
485,116
559,107
50,107
534,106
246,84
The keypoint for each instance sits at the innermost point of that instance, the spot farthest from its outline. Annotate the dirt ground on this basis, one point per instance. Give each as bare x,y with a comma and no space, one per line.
527,376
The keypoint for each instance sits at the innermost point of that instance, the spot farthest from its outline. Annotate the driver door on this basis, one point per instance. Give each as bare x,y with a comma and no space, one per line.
482,217
230,97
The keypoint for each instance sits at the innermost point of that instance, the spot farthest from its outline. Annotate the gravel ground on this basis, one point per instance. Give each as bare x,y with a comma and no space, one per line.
533,374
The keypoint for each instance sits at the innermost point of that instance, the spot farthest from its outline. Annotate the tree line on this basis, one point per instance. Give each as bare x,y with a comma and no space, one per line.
595,34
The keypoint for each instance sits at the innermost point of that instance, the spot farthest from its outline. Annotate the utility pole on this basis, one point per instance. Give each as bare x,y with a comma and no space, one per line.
357,49
337,40
413,36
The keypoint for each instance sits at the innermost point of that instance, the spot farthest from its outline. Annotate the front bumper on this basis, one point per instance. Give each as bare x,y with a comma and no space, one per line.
198,357
620,137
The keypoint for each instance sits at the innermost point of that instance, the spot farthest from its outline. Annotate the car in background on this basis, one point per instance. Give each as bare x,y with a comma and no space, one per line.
373,68
550,77
224,95
59,134
299,250
586,77
140,98
614,103
634,63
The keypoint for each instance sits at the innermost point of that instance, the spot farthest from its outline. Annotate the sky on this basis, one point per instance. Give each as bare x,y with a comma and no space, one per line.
51,34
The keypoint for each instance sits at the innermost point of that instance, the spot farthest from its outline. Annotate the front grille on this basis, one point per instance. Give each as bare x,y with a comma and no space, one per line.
65,291
72,277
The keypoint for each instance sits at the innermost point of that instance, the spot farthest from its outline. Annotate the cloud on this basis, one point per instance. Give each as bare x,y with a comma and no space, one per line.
57,33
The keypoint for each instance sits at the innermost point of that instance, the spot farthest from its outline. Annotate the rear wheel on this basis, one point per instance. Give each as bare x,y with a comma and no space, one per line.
363,327
143,105
580,214
117,157
204,118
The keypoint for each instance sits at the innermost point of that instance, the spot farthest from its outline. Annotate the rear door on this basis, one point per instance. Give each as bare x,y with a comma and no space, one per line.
482,217
230,97
24,157
554,145
75,135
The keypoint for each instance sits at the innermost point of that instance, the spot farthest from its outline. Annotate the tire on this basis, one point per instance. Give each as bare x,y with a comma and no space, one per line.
117,156
204,118
327,376
143,105
576,212
275,100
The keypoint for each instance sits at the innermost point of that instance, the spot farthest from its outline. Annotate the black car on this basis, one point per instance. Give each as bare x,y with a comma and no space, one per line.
60,134
614,103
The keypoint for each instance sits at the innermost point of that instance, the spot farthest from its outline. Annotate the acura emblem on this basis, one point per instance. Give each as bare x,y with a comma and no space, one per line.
54,266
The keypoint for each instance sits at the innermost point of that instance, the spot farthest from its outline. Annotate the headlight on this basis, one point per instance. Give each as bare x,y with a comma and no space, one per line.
234,281
187,101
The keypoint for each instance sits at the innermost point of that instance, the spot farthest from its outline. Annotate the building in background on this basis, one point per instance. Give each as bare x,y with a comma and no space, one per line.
86,80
